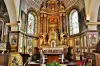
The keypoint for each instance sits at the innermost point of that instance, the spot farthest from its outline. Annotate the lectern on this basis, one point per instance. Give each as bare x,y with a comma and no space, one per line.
53,54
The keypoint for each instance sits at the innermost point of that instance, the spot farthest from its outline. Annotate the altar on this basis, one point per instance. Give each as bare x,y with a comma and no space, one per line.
52,54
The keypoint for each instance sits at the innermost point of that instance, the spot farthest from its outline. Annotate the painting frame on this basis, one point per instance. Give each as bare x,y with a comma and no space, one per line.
20,47
29,45
23,21
85,40
1,30
92,38
3,46
14,35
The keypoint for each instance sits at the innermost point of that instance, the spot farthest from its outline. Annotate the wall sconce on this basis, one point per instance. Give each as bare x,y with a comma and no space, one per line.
18,21
87,20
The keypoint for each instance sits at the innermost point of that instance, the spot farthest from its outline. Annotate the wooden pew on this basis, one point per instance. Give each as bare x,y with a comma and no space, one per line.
4,58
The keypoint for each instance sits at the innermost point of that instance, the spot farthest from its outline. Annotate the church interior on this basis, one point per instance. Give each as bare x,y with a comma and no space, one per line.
50,32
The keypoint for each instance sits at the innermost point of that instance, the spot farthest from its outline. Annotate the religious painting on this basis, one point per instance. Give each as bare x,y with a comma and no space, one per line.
93,38
25,43
78,50
77,41
77,45
53,19
20,46
13,40
23,21
15,60
5,33
82,51
53,22
29,45
3,46
86,50
85,41
13,37
1,30
82,41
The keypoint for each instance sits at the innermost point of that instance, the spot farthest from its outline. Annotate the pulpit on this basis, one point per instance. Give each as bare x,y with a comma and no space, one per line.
52,54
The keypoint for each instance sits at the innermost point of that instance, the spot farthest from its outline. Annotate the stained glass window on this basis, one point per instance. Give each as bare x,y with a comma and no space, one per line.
73,22
31,23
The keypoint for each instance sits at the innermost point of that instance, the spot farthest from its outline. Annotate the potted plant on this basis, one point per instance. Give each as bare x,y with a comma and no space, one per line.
54,63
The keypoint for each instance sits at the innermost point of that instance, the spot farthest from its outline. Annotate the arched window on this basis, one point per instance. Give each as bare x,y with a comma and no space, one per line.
31,23
73,22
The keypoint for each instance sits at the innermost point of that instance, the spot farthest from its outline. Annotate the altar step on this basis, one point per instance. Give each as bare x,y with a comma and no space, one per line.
61,65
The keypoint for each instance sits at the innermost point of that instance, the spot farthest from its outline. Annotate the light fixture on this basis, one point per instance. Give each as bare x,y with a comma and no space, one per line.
87,20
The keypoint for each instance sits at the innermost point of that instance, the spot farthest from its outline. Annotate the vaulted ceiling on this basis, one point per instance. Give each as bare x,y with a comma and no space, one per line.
91,7
37,3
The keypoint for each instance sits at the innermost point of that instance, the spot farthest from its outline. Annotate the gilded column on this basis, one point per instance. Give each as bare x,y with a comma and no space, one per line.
47,24
41,24
60,25
67,24
44,23
64,23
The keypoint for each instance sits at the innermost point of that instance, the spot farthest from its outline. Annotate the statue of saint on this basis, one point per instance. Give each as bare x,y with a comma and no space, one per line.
53,43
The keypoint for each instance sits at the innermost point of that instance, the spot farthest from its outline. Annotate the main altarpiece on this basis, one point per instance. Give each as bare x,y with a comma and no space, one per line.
53,24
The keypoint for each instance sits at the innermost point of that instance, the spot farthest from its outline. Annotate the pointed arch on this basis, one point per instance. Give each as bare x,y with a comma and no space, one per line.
73,22
31,23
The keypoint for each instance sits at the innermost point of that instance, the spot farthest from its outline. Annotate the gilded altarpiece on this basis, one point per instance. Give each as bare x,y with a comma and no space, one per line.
53,24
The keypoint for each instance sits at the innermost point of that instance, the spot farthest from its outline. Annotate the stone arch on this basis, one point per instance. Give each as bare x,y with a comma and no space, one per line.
36,17
11,10
93,10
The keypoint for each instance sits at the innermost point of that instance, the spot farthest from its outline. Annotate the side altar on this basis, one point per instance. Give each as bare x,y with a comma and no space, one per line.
52,54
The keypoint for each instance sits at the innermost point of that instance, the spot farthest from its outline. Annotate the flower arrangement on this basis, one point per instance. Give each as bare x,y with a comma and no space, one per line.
54,63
